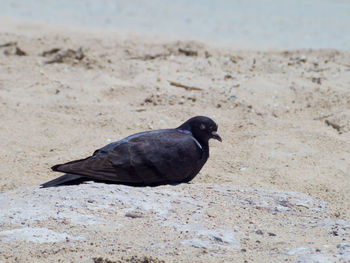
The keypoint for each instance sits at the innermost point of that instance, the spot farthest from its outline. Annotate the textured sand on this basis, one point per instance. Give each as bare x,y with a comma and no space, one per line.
284,117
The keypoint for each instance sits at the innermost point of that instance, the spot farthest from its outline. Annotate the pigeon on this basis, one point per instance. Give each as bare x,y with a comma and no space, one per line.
151,158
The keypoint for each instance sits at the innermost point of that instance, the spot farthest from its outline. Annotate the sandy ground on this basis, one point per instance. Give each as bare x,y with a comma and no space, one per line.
284,116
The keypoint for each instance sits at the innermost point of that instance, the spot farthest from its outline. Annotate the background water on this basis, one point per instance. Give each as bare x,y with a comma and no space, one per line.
244,23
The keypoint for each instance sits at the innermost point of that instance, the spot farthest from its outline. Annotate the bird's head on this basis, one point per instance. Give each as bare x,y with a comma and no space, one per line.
202,128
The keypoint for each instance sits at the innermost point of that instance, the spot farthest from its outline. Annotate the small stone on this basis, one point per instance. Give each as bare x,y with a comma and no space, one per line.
272,234
316,80
188,52
134,214
259,232
20,52
302,59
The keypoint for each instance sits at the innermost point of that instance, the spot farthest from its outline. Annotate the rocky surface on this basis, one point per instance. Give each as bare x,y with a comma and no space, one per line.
218,223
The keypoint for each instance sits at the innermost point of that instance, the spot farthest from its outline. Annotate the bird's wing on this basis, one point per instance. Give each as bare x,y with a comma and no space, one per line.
98,167
147,158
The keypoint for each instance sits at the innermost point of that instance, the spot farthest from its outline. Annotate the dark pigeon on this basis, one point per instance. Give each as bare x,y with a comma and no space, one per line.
150,158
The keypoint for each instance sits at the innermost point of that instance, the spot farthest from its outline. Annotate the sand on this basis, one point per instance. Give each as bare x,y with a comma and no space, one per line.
284,116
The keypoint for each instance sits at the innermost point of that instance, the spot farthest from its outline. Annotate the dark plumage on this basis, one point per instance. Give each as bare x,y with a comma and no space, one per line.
149,158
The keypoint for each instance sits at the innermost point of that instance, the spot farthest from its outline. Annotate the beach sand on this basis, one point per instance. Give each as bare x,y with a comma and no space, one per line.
284,115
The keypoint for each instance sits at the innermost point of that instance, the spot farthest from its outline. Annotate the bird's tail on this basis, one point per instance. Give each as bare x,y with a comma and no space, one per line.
66,179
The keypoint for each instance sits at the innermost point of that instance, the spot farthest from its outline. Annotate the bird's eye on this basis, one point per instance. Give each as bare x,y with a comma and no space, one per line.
202,126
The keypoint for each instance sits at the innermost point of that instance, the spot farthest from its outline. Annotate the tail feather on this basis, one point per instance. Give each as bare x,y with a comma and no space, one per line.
66,179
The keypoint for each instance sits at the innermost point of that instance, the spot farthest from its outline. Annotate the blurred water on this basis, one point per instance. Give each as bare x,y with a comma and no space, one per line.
245,23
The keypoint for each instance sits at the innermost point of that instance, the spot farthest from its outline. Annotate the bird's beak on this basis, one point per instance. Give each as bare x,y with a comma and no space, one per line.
216,136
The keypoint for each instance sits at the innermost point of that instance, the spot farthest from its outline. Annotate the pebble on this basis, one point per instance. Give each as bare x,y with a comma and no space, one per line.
259,232
134,214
